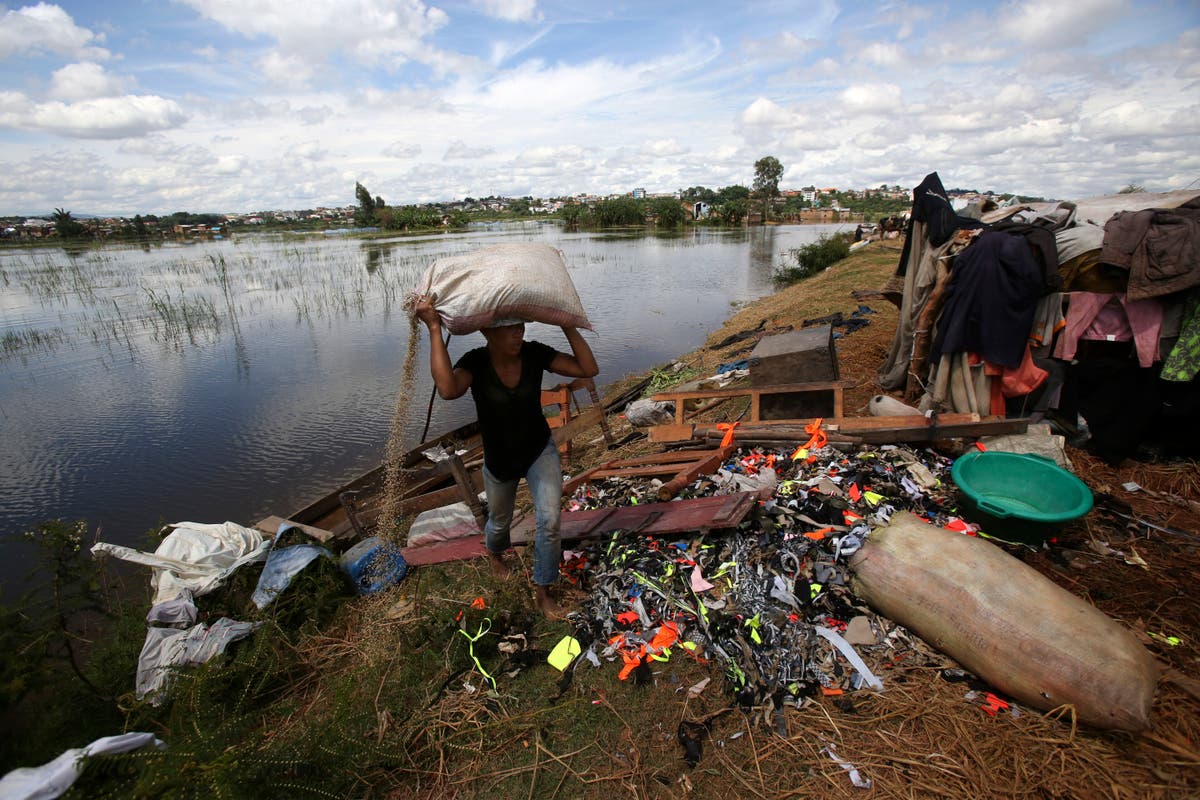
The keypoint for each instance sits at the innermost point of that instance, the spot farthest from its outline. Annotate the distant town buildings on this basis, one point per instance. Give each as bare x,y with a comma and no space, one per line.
806,204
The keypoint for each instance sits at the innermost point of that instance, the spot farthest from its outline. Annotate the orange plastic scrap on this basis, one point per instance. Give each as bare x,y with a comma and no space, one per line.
993,704
728,428
818,440
668,634
478,604
627,617
632,660
819,535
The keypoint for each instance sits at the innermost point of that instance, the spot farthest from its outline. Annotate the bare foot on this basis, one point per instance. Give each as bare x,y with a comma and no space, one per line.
547,604
499,568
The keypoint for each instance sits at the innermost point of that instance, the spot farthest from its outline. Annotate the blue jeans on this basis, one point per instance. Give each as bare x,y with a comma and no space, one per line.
545,486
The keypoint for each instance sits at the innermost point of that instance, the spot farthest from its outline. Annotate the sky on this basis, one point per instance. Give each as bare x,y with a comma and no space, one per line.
226,106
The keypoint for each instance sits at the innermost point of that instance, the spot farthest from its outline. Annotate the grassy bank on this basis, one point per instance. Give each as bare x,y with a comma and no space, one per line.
337,696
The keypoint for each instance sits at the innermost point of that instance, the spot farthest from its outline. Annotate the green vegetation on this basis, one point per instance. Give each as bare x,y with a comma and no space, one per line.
68,650
17,343
873,205
366,213
813,258
617,212
66,225
767,172
667,212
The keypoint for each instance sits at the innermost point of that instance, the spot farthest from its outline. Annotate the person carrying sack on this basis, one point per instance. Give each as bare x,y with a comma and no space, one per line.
505,379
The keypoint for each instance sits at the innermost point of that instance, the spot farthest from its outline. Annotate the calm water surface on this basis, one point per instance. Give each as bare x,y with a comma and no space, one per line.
234,379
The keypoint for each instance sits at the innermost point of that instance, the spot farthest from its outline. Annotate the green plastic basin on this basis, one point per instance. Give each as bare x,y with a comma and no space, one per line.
1018,496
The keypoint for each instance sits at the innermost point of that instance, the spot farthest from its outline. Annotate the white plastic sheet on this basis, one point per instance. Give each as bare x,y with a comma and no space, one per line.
52,779
166,648
196,557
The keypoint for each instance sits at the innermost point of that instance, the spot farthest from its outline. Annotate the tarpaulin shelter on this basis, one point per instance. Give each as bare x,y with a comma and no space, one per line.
1083,309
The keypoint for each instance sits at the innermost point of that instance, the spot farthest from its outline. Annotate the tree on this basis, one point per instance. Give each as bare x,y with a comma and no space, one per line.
735,192
667,212
731,212
365,215
1132,188
573,214
698,194
618,211
66,225
767,172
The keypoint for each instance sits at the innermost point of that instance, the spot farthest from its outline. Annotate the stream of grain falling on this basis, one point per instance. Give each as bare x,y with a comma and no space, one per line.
395,476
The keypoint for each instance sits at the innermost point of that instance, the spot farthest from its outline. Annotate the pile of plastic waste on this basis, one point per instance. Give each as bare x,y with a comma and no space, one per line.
769,600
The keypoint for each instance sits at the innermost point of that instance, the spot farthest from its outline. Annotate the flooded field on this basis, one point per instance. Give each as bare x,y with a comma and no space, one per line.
238,378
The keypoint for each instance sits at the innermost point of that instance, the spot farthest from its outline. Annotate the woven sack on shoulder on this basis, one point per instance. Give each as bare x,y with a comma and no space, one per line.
501,284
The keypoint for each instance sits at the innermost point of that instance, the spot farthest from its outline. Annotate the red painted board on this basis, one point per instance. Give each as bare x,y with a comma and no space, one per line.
461,549
677,516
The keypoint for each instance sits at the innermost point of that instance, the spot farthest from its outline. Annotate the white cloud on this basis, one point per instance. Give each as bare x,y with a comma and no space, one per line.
372,31
154,145
284,69
306,151
547,156
879,98
884,54
314,115
230,165
510,10
764,113
1053,23
663,148
102,118
460,150
46,28
82,81
402,150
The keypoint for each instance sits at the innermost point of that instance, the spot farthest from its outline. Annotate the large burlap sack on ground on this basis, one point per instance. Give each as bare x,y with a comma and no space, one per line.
1006,622
501,284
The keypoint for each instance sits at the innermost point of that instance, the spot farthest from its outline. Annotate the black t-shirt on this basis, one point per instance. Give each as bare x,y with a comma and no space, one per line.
511,422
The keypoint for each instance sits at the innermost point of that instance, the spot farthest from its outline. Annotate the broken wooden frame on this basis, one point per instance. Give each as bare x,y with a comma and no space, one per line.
755,394
684,466
852,430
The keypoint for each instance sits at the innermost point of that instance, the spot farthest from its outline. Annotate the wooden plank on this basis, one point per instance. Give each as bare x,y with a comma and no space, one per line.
671,432
641,472
859,424
368,517
669,457
744,391
701,467
466,488
577,424
782,428
701,514
932,433
570,486
461,549
271,525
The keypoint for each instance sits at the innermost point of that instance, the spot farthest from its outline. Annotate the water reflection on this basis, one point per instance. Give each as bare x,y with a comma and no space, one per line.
762,248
